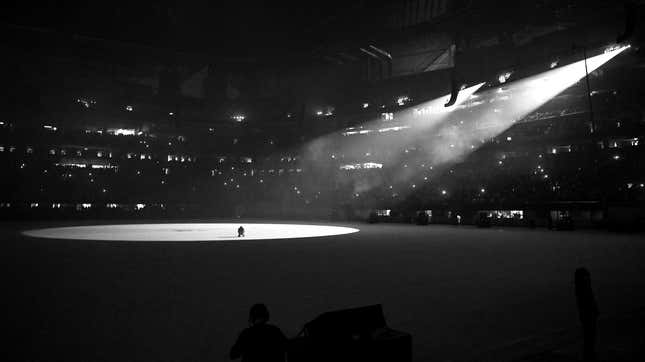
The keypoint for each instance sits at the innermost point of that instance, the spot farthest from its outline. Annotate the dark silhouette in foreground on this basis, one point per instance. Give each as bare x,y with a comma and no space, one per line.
588,311
350,335
261,341
240,231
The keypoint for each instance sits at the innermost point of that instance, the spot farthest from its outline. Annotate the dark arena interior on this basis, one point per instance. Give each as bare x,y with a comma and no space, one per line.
411,180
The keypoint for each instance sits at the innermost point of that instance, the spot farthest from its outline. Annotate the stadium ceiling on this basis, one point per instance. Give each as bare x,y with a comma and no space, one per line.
236,28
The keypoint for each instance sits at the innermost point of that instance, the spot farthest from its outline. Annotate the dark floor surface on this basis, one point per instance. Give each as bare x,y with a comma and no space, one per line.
463,293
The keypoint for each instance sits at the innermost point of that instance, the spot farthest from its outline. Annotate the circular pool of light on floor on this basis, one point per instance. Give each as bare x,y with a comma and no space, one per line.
188,232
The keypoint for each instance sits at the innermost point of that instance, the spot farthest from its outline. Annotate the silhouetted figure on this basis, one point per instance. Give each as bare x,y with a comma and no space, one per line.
588,311
261,341
240,231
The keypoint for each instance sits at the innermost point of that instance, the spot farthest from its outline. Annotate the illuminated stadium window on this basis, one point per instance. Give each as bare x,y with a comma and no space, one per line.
505,214
387,116
358,166
383,212
390,129
122,131
72,164
625,142
561,149
104,166
401,101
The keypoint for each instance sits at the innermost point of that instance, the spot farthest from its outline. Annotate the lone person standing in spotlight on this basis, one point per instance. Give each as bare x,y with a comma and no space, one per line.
261,341
240,231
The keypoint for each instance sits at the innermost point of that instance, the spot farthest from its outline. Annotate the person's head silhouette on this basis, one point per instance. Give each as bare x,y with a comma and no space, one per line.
259,314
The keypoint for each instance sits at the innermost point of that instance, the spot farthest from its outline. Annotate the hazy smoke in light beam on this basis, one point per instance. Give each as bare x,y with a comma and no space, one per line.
495,110
448,134
423,116
419,119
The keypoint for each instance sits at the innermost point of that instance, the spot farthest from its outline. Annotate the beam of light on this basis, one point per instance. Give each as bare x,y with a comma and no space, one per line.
188,232
420,122
495,110
429,114
408,143
383,138
447,137
420,118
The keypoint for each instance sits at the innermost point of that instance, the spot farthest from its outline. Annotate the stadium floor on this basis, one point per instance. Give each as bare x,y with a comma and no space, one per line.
463,293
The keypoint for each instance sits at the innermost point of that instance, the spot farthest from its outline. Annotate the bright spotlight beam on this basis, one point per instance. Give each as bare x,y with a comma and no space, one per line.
542,87
441,135
420,119
497,109
429,114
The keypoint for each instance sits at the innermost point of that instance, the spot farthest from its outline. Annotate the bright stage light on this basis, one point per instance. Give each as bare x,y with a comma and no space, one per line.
504,77
188,232
497,109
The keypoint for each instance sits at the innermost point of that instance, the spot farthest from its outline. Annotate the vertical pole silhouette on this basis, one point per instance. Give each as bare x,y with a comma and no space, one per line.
588,312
